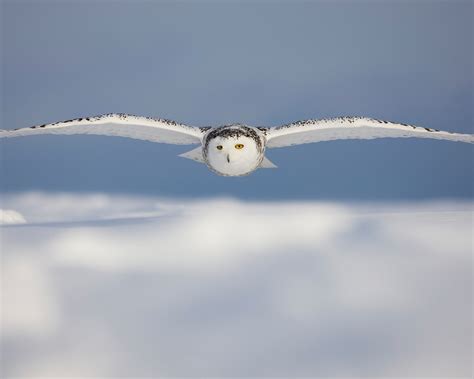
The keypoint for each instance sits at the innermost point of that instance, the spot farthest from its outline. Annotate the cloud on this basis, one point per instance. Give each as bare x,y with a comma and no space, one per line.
157,287
8,216
204,236
30,309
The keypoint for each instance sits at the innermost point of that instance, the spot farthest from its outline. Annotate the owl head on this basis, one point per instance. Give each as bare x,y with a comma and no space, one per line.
233,153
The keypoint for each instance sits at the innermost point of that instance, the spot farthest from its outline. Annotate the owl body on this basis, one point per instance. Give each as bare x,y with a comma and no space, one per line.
233,150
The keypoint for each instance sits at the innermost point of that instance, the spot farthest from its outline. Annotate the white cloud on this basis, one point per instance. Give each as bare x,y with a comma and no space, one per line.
204,236
9,216
30,308
227,288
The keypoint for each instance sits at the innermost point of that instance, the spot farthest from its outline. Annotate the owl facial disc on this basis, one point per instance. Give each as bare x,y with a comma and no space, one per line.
233,150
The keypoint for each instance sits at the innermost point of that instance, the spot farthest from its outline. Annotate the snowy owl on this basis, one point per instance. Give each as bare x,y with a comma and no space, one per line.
236,149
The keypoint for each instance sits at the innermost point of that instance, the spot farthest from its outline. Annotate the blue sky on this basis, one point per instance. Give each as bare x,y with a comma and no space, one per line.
262,63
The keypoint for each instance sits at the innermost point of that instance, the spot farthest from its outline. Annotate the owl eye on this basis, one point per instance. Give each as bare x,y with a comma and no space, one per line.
239,146
219,147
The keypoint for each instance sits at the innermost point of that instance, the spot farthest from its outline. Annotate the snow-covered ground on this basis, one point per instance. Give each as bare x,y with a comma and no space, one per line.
99,285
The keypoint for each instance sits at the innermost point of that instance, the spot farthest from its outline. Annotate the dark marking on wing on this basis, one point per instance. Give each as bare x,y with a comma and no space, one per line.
344,120
120,116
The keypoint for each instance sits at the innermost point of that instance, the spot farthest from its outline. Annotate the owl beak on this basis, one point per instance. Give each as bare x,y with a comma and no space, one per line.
228,158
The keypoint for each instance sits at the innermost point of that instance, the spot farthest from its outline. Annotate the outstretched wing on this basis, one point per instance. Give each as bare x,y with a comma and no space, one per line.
352,128
120,125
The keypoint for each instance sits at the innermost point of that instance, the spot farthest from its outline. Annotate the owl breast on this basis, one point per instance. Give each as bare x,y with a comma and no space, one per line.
233,150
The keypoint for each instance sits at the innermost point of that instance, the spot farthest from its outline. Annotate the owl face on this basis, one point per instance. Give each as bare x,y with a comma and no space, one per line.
233,155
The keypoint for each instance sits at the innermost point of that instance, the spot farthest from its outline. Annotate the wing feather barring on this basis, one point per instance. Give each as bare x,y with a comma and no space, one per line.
236,149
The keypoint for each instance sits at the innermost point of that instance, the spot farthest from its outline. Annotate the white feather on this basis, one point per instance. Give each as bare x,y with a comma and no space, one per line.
194,154
352,128
267,163
120,125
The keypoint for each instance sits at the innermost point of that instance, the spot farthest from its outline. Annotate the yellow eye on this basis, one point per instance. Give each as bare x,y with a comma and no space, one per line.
239,146
219,147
